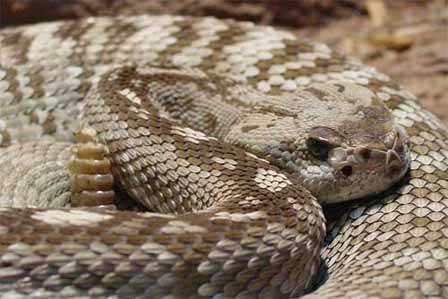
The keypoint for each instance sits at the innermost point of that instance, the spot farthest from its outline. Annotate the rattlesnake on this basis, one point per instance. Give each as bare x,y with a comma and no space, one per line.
270,118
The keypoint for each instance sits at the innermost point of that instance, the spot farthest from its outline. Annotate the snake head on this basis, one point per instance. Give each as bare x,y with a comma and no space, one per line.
352,167
347,143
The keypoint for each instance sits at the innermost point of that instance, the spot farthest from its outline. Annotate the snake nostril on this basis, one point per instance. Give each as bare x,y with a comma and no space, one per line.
393,158
394,170
365,153
347,170
401,141
399,147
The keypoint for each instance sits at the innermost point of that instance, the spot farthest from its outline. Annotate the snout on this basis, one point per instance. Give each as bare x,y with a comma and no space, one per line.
391,158
397,150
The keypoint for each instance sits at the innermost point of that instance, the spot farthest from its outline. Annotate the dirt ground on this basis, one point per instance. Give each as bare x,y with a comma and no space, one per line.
406,39
411,47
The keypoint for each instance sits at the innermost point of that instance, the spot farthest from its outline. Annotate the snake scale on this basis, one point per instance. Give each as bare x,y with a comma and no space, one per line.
227,132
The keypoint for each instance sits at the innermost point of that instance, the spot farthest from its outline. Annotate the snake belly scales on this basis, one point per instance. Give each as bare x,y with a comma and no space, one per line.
226,132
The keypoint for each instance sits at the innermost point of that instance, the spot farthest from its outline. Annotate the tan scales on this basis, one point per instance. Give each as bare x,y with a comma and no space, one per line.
171,105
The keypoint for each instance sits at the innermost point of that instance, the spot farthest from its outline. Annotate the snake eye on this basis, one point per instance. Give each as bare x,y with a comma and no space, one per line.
318,148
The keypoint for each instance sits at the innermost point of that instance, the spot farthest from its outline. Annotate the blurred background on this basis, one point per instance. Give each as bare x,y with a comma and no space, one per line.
406,39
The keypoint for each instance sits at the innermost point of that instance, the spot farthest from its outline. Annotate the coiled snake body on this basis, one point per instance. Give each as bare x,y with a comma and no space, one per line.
233,127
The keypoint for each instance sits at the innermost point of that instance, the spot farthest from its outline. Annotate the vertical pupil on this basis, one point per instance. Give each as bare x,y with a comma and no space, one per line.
323,151
319,149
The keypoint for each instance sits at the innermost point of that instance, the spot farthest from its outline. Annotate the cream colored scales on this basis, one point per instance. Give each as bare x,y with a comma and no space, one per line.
189,112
